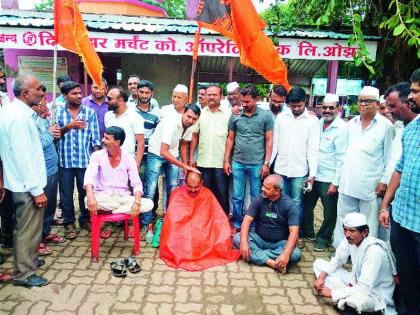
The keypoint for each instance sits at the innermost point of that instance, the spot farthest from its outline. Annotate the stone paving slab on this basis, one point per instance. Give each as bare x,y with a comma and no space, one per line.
78,286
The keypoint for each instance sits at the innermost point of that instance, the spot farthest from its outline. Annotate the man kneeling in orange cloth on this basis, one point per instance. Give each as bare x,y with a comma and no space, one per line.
196,231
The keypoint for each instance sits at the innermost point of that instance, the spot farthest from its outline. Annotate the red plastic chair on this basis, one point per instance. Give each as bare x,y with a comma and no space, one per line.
97,221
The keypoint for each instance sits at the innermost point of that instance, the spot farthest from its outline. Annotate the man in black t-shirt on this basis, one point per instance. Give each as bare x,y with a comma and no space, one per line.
273,241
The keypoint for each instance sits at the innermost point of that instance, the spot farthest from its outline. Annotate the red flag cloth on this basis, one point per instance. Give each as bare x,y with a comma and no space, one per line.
196,232
239,21
71,33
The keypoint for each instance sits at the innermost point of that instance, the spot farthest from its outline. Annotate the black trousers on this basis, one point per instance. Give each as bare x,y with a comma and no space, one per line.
7,214
406,247
216,180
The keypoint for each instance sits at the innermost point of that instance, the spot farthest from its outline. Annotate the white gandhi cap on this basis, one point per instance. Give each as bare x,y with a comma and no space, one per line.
232,86
370,91
180,88
330,98
354,220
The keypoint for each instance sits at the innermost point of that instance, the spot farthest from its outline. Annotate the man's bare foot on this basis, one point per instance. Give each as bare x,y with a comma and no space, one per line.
272,263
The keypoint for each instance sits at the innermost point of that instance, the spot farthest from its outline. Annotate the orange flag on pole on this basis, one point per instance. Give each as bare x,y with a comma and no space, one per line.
71,33
239,21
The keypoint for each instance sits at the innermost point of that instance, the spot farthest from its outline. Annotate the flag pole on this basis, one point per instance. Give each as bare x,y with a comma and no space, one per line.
54,91
194,63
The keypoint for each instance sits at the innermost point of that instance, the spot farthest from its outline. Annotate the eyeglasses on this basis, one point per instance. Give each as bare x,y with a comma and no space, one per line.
365,102
109,98
328,107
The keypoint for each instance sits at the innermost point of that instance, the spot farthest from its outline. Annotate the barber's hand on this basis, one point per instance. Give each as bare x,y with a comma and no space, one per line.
332,190
191,169
245,251
40,201
282,261
55,131
135,209
192,163
380,190
318,285
264,171
384,219
92,205
227,168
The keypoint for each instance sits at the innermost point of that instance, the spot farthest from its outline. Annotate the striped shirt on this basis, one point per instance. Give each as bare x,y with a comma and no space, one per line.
76,145
406,205
151,119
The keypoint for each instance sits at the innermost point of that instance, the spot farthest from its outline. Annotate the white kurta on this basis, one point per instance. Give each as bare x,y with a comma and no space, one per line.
370,284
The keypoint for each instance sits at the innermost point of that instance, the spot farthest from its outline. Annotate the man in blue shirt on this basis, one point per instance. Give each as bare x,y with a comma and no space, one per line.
332,148
273,241
405,213
79,135
48,135
25,176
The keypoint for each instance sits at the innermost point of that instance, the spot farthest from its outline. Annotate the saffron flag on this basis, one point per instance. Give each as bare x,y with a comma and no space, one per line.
239,21
71,33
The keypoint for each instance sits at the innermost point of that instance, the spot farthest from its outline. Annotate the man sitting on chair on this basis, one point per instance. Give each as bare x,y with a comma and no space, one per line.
108,176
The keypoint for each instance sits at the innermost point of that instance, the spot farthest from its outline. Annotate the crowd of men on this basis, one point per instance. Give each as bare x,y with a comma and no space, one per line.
112,137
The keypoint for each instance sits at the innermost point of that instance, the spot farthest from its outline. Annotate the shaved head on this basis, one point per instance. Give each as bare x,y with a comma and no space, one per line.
193,183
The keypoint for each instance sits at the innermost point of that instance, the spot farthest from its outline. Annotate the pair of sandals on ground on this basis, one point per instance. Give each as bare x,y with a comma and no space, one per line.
53,239
119,268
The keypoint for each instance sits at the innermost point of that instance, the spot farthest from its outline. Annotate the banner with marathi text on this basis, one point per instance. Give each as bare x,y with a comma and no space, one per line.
182,44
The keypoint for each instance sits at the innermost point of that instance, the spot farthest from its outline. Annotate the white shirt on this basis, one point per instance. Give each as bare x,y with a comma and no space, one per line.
132,123
332,148
296,144
367,155
21,150
4,99
371,274
396,150
168,110
169,131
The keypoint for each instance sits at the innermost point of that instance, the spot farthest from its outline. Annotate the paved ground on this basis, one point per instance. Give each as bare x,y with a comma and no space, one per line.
78,286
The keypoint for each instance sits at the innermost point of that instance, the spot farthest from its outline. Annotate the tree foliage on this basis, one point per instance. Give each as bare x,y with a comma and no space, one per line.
397,22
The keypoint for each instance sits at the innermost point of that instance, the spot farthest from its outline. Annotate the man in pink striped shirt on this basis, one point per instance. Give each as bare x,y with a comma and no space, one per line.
108,176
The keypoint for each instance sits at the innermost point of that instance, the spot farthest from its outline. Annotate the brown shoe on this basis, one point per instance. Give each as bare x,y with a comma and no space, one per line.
70,232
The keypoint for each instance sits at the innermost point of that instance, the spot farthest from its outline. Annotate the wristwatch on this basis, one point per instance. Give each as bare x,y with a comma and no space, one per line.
267,164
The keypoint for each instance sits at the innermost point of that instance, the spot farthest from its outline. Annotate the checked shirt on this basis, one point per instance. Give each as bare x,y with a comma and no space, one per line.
76,145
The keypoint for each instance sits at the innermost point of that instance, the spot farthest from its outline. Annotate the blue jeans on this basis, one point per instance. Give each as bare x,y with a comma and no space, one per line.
66,188
154,167
51,193
240,172
261,250
292,187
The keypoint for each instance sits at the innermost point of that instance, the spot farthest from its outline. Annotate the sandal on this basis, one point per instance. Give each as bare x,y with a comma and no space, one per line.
118,269
5,276
54,239
43,250
105,234
70,232
131,264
